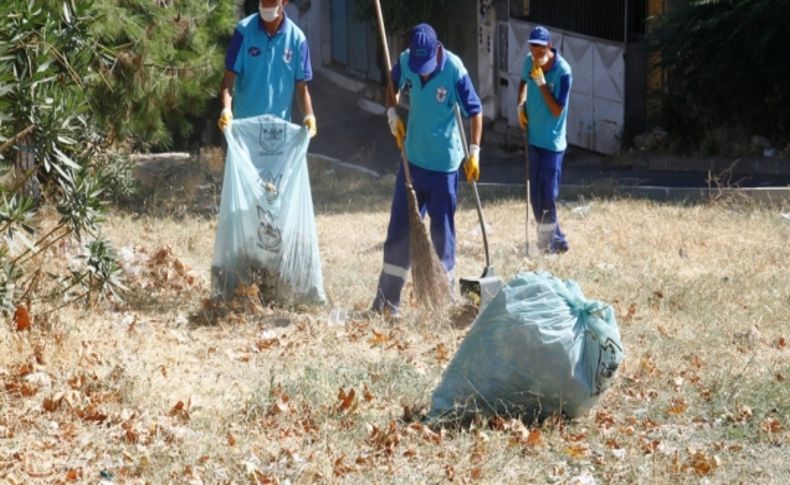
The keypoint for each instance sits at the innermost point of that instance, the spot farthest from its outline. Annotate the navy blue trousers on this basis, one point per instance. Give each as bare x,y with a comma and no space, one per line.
545,172
437,196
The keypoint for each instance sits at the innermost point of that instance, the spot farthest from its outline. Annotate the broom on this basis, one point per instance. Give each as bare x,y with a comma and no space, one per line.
429,277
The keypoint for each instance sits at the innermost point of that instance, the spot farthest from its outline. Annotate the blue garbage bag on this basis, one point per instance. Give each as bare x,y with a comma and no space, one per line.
266,233
539,348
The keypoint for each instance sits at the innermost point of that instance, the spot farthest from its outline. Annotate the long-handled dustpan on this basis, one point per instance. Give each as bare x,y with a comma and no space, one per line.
488,284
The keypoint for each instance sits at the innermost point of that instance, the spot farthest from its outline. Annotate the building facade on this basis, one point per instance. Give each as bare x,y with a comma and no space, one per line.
603,40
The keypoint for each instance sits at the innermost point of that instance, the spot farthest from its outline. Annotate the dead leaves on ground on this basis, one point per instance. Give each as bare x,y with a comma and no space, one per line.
22,319
160,271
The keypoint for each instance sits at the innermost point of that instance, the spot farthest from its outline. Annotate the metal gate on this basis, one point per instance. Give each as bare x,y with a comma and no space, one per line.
353,43
596,114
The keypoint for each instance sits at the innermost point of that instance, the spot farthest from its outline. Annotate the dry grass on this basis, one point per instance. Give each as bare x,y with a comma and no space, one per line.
150,394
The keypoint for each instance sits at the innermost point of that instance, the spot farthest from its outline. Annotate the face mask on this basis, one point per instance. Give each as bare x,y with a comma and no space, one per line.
269,14
541,61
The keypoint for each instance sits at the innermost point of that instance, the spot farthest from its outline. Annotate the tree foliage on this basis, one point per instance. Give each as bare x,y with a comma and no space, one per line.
48,61
76,77
167,65
400,15
726,64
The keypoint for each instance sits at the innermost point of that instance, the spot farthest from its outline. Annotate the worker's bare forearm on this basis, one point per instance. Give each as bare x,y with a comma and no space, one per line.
226,90
476,128
304,99
522,93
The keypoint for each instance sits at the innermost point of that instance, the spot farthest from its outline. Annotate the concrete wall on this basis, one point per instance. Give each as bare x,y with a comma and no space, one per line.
307,15
469,29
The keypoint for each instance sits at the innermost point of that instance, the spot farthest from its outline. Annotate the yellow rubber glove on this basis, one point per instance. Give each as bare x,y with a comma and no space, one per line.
522,116
224,119
537,75
397,128
310,124
472,164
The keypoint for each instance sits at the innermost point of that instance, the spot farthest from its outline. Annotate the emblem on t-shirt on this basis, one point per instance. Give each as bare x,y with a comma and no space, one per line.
441,94
254,51
407,85
272,136
288,55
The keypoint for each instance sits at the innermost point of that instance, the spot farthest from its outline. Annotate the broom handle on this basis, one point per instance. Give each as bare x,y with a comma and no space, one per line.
390,87
459,121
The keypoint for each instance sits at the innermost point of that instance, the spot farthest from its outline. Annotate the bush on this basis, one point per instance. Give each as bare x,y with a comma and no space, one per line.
48,61
164,68
726,65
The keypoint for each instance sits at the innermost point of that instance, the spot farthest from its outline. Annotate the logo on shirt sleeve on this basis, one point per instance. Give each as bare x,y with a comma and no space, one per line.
288,55
254,51
441,94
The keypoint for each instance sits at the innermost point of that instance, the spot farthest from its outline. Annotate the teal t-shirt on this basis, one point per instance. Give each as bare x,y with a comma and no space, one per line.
433,141
546,130
267,68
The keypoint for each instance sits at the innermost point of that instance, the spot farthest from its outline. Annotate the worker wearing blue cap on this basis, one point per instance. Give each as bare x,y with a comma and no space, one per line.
543,112
437,82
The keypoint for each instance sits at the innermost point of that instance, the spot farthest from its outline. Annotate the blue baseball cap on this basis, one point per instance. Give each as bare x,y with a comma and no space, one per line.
539,36
423,46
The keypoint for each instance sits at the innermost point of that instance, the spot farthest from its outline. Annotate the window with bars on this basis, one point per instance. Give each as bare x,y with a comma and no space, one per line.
604,19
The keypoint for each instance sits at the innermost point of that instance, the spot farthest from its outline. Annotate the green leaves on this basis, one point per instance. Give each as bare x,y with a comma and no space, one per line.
400,15
52,139
169,66
710,52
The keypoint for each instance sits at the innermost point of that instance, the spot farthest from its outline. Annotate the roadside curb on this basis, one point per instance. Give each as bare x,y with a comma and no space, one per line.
767,195
770,195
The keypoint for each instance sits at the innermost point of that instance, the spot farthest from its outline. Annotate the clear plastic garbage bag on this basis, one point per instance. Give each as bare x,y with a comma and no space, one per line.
266,234
539,348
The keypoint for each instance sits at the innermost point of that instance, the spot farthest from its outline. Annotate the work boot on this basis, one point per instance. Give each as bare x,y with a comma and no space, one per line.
387,298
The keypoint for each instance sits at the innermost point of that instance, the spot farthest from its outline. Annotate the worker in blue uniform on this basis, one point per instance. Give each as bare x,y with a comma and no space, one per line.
267,62
437,82
543,97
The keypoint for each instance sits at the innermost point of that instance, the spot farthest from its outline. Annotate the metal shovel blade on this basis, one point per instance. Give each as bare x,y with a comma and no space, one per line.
485,287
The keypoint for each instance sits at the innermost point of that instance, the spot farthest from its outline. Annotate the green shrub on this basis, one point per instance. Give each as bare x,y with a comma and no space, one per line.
726,65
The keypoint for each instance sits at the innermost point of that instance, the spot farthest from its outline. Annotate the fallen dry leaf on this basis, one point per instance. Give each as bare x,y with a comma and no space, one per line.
701,463
677,406
267,343
367,394
378,338
347,400
180,411
384,440
52,404
340,468
576,451
631,313
534,437
22,319
603,419
771,425
441,353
